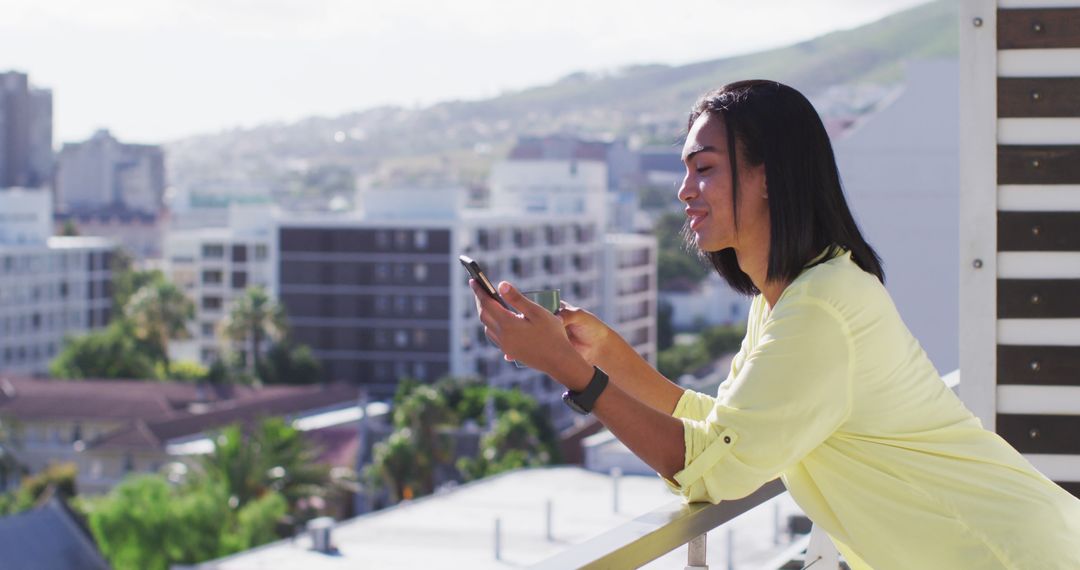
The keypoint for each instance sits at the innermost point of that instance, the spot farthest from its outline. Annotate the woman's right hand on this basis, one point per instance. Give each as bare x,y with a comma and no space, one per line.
588,334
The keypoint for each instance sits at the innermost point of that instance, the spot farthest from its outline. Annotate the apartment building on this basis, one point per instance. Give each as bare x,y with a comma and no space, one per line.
50,287
214,266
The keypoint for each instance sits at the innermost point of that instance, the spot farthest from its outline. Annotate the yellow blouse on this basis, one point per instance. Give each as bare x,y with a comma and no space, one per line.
832,393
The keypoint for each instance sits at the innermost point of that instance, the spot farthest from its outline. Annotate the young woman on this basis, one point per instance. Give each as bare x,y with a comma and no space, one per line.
829,391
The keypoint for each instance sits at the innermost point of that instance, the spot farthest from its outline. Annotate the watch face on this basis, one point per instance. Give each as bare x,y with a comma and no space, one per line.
569,399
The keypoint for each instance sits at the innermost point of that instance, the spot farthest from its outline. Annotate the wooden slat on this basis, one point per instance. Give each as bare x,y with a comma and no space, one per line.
1038,298
1038,28
1045,164
1039,97
1031,433
1038,365
1038,231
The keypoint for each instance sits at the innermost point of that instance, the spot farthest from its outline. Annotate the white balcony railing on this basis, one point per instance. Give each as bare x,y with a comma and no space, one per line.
656,533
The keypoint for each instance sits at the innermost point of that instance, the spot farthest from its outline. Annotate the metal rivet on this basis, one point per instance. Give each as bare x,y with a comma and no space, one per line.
727,439
1035,163
1035,96
1035,299
977,264
1033,433
1035,365
1037,28
977,22
1035,230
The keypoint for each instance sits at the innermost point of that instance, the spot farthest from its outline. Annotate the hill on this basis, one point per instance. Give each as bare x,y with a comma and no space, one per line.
321,157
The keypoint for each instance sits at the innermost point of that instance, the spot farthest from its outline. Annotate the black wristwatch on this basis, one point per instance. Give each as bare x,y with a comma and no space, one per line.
582,402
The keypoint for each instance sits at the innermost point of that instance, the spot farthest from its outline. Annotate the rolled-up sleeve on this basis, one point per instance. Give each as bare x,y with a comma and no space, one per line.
792,391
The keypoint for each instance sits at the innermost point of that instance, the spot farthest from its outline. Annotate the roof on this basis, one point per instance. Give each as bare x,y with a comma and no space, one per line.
27,398
48,537
144,433
455,529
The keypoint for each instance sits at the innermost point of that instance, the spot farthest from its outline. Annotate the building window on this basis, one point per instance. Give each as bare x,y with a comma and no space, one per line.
211,303
420,337
260,252
420,239
382,239
419,304
211,277
213,251
382,304
208,329
401,339
401,239
239,253
239,279
382,272
420,272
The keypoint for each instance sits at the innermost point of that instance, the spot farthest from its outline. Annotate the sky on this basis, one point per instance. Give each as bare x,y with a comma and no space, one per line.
152,71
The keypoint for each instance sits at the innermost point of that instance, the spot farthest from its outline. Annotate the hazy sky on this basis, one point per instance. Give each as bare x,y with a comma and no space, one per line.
152,70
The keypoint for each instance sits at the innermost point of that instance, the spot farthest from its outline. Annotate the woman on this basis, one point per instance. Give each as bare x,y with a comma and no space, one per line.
829,391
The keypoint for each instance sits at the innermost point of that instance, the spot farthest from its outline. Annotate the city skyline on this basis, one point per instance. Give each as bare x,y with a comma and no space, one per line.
153,73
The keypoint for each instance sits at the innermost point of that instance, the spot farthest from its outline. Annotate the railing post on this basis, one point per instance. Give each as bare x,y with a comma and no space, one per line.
821,553
695,553
498,539
547,521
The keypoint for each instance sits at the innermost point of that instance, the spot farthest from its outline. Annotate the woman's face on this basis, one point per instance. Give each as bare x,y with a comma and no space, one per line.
706,191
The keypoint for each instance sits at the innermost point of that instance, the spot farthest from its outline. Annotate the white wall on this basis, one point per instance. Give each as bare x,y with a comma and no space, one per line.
901,177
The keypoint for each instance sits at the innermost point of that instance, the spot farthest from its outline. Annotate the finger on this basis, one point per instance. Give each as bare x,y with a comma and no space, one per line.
491,336
520,302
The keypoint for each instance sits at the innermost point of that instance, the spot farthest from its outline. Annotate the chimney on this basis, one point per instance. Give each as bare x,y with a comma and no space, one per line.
320,531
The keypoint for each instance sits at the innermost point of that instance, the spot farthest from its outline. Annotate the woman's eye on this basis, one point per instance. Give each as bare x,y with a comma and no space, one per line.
702,169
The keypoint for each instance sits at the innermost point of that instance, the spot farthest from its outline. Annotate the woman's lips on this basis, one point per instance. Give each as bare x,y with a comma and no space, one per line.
697,217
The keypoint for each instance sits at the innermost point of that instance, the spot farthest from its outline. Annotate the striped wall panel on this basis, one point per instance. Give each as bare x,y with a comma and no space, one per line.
1034,288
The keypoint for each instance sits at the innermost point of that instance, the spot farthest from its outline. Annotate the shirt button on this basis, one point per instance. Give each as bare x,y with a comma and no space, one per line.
727,439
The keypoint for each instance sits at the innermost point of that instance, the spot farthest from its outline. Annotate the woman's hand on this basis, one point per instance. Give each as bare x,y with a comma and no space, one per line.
535,337
586,332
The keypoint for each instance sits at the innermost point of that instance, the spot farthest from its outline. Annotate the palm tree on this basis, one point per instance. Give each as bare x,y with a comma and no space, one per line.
253,318
160,311
272,457
424,413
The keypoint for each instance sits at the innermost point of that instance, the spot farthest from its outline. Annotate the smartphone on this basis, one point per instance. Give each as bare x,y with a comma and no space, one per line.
478,274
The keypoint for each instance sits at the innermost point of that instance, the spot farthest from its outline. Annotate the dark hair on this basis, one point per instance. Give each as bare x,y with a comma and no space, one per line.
774,124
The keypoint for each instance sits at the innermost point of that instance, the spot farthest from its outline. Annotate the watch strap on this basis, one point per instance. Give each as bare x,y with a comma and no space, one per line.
586,399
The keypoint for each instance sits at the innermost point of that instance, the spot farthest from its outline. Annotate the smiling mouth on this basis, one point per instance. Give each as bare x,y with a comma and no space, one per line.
697,219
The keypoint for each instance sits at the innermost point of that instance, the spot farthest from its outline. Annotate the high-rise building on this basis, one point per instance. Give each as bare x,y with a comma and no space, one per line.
214,266
26,154
102,174
50,287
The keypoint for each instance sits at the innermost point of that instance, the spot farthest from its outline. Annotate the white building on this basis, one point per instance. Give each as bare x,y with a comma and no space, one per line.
214,266
901,176
104,174
628,296
50,287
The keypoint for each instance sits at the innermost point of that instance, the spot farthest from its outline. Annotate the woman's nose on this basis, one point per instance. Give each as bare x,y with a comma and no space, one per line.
685,190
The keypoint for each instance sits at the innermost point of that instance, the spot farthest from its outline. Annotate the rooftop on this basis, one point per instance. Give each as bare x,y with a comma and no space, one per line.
456,529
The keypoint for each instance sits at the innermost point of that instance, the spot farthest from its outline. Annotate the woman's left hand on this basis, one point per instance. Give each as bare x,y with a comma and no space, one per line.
535,337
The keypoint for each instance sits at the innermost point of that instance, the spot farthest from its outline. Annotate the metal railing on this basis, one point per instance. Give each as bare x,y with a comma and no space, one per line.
656,533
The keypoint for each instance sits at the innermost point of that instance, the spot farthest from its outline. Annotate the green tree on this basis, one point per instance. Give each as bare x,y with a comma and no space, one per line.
158,312
513,444
113,352
288,363
10,468
677,264
145,523
127,280
426,415
396,465
253,318
272,457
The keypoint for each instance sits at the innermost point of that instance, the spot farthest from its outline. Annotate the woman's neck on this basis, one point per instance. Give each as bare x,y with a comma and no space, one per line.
755,263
